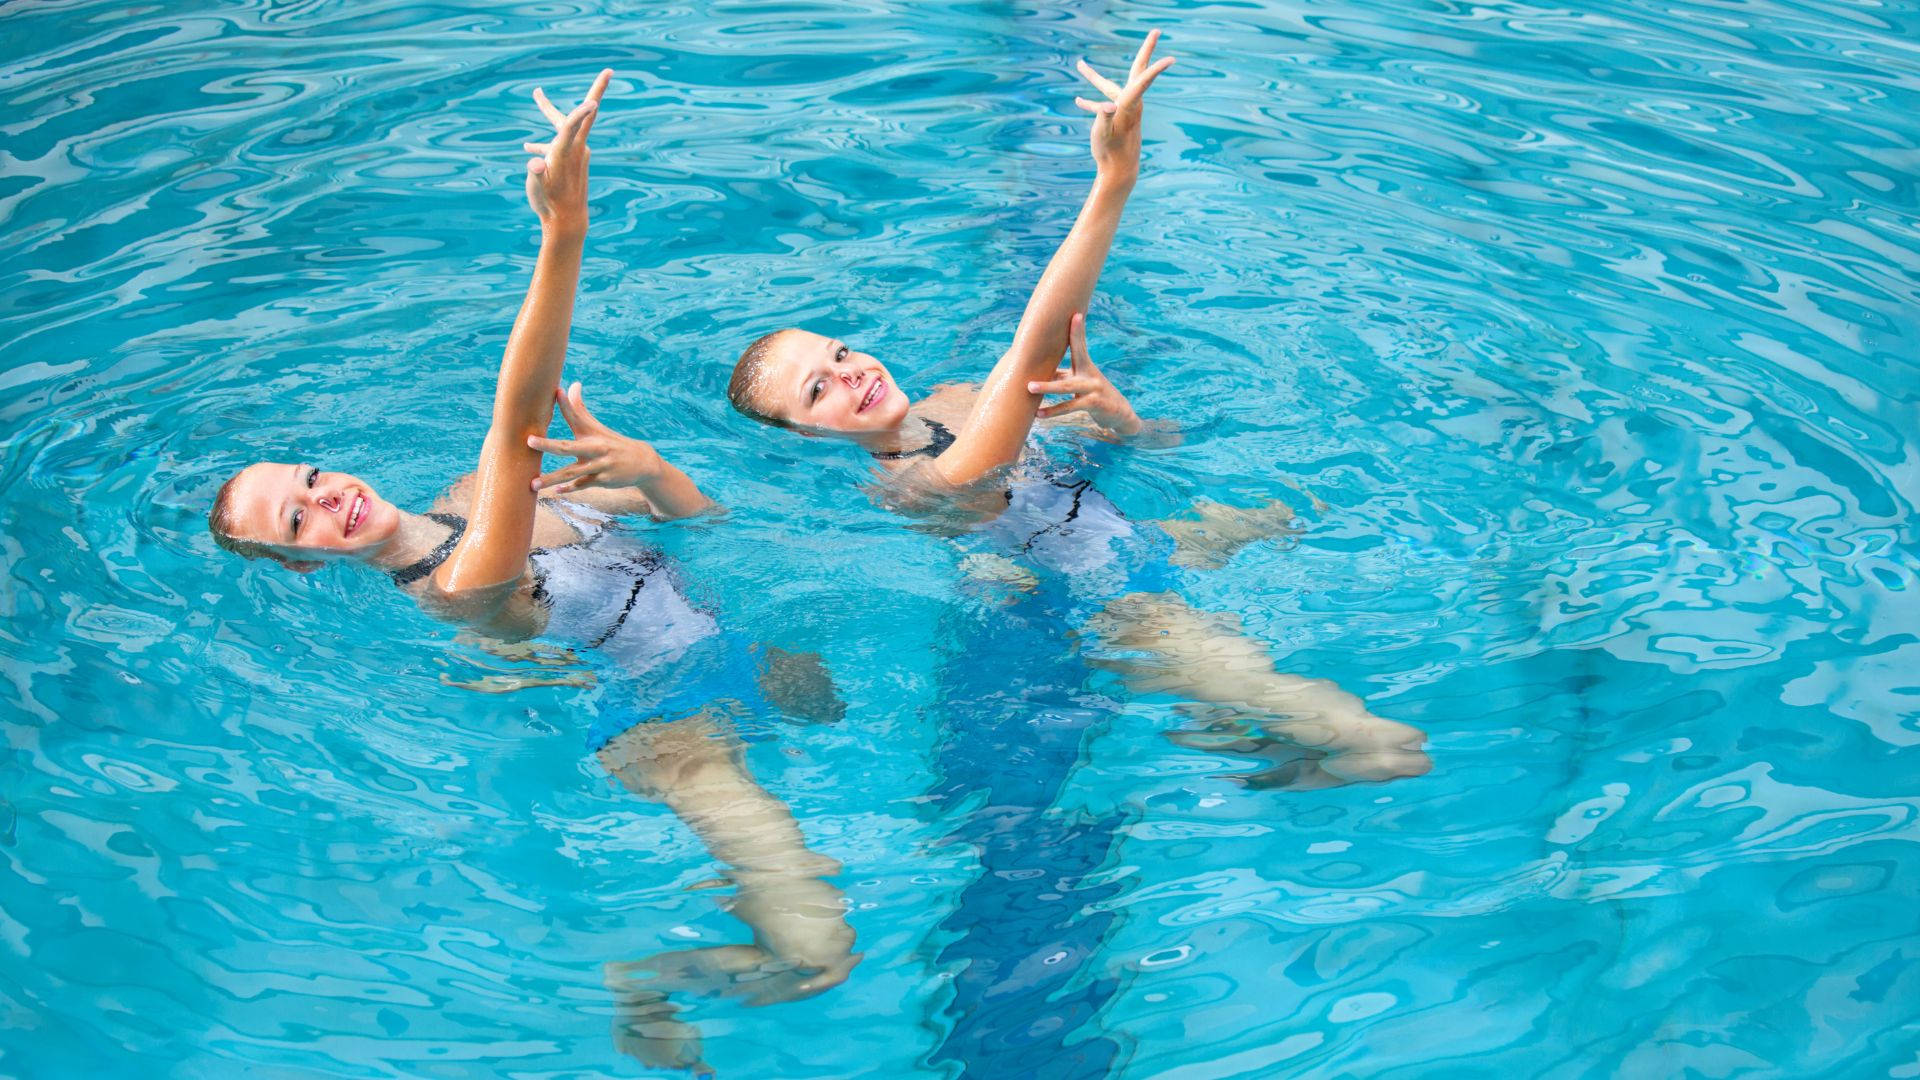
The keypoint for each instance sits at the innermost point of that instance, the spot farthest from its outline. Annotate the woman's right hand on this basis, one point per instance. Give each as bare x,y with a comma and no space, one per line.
1116,121
1090,389
603,458
557,175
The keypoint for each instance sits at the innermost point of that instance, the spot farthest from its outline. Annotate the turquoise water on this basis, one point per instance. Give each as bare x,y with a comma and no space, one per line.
1592,329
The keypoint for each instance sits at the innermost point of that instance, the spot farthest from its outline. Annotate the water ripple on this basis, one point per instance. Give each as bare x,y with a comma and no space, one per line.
1589,333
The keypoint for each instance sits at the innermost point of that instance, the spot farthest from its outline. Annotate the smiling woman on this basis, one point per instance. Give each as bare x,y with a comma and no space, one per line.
479,556
311,516
504,553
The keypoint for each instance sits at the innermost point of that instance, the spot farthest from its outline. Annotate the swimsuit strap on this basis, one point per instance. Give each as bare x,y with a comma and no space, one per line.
942,438
431,561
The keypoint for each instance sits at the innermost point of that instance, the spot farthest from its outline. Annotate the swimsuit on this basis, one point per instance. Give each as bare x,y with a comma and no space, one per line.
1062,523
625,601
937,444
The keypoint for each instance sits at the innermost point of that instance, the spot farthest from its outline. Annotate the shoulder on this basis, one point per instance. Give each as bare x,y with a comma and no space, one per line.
952,390
456,499
620,501
949,403
510,611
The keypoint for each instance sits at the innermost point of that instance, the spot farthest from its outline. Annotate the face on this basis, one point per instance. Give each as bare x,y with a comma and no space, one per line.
820,384
309,516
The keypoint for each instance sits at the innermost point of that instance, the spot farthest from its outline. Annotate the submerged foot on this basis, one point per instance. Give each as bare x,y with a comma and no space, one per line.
1220,729
797,684
1216,531
647,1028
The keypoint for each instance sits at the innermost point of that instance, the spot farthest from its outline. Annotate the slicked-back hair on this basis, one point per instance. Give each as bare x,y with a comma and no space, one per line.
749,373
220,524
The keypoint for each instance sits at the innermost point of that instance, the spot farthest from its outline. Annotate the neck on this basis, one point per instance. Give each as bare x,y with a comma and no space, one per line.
913,434
413,540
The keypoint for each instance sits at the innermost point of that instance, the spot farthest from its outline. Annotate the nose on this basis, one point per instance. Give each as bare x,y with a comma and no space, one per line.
851,378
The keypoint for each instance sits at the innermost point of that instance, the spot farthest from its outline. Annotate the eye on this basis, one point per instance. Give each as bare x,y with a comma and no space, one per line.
313,474
840,353
813,394
299,519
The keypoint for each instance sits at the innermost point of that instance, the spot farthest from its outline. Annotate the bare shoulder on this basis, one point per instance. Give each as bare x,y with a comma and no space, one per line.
949,403
457,499
1074,420
962,391
509,612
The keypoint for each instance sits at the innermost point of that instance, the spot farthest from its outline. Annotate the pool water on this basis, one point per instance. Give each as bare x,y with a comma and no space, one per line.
1591,329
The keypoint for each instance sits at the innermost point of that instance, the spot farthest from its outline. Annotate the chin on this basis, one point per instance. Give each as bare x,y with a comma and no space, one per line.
383,520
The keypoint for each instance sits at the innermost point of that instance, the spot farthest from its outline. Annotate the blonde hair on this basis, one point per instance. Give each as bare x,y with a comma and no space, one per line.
220,524
749,378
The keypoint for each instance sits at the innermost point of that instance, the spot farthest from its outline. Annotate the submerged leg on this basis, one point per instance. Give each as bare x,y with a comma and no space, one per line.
1216,531
1207,657
647,1027
802,944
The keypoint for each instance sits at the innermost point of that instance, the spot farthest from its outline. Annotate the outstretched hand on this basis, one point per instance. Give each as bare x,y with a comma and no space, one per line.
603,458
557,175
1092,392
1116,121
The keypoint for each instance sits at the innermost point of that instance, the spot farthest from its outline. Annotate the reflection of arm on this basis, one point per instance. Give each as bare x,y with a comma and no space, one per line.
1004,411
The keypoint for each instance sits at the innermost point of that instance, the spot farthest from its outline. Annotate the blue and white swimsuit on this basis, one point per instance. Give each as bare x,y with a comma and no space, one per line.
624,600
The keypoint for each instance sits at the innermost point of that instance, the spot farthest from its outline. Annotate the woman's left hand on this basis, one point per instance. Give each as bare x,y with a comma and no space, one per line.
1116,121
1092,393
603,458
557,175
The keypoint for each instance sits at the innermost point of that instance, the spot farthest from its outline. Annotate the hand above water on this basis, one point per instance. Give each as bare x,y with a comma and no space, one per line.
1092,392
603,458
1116,121
557,175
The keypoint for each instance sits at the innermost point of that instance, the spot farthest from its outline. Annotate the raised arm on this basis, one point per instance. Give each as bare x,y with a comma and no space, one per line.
1004,412
493,552
615,473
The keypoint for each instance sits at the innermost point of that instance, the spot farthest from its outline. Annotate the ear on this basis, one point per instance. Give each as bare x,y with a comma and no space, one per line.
301,566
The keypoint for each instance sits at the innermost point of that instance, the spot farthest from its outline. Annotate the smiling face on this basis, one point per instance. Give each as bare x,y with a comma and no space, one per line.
821,384
302,516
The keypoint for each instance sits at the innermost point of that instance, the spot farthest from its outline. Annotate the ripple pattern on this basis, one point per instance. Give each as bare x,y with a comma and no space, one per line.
1590,334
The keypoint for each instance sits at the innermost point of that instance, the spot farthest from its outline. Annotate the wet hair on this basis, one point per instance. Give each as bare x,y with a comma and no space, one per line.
220,524
749,378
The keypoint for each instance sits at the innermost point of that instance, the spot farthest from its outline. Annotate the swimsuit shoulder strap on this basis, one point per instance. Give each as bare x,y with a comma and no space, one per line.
940,439
431,561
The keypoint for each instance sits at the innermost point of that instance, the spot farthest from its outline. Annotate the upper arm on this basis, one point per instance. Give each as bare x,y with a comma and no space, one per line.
997,427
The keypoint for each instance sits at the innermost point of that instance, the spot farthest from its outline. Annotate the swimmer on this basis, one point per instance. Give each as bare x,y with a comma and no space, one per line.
940,448
822,386
496,555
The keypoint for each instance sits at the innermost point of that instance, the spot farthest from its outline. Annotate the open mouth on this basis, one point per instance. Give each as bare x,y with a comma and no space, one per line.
874,393
354,515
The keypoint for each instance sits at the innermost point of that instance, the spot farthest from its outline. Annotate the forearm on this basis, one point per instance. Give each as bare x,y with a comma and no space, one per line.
1004,411
537,347
500,531
1067,284
672,494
